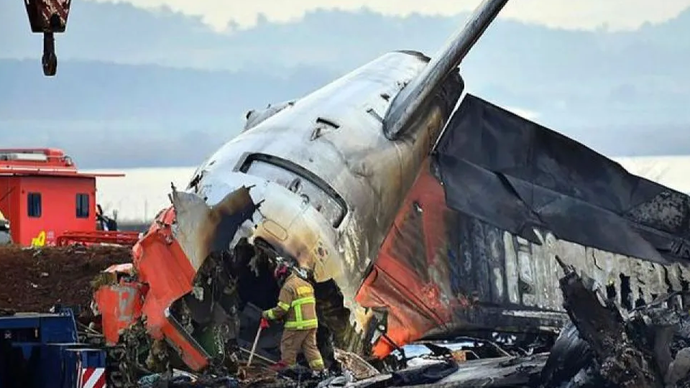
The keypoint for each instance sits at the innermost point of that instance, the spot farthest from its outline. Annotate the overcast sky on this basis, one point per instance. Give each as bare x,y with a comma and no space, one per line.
139,86
571,14
136,84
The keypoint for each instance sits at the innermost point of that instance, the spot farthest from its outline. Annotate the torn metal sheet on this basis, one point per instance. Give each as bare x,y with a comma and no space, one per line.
621,360
517,175
608,347
360,369
202,229
441,273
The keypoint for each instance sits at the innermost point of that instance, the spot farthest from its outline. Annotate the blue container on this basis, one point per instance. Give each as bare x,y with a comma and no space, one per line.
41,351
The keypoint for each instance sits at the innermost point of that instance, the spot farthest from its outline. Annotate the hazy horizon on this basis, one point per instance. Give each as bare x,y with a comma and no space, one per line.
610,75
144,191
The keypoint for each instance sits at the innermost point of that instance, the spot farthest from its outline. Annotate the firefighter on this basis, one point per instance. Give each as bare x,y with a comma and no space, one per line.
296,303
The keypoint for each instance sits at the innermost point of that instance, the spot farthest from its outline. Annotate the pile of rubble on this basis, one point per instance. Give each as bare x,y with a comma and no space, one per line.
603,346
35,279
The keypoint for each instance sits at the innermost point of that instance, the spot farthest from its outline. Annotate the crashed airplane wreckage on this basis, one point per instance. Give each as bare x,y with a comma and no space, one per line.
418,221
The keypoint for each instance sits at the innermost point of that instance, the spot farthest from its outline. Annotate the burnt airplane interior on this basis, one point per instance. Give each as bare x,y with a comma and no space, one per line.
232,288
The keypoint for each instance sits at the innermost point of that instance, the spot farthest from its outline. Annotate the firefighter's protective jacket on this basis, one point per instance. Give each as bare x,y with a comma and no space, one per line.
297,304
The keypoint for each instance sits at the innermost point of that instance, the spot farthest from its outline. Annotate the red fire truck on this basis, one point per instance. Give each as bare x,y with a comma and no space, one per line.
47,201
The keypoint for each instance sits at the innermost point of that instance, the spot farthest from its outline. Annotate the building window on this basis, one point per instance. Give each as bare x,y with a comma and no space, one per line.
34,205
82,206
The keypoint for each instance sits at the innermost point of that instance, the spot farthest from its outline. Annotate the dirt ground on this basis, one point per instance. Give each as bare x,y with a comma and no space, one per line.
33,280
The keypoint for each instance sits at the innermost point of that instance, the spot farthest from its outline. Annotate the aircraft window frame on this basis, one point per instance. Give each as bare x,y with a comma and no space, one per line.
249,158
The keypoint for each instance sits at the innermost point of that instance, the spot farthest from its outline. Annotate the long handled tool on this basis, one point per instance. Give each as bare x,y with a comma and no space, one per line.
262,325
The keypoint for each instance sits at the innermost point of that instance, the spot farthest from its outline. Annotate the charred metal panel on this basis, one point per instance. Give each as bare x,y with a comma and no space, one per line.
413,285
440,272
476,252
517,175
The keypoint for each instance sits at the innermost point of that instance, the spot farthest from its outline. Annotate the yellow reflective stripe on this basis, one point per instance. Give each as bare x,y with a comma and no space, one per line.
297,304
301,301
308,324
304,290
298,313
318,363
271,315
284,306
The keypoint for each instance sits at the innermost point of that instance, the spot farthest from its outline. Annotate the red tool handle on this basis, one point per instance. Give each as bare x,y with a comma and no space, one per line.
264,323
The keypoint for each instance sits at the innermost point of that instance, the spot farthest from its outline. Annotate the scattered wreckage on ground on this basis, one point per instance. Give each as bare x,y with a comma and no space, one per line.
603,345
458,262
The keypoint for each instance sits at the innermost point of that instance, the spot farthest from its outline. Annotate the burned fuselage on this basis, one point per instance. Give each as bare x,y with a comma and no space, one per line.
328,182
325,185
410,230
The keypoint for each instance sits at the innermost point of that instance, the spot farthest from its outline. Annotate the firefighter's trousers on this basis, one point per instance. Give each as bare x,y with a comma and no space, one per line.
305,340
